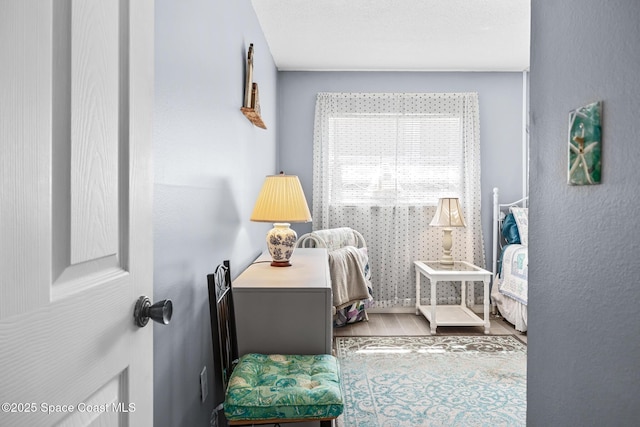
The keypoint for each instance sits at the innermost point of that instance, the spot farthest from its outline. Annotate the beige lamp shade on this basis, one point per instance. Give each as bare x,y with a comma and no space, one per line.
448,214
281,200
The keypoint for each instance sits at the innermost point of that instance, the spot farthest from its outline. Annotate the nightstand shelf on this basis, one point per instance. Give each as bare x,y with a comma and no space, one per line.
452,315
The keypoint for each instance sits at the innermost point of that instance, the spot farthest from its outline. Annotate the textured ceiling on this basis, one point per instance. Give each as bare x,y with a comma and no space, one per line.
394,35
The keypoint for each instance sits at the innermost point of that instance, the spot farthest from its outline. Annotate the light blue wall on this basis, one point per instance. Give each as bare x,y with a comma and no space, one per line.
500,96
209,164
584,279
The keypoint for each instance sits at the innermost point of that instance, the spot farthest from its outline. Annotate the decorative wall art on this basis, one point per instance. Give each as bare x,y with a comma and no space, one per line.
251,107
585,145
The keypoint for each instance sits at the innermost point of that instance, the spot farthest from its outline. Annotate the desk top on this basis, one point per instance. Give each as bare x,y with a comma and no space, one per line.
309,269
459,268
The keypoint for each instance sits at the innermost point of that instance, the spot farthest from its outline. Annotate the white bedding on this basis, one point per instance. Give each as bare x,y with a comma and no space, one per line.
510,289
513,311
513,277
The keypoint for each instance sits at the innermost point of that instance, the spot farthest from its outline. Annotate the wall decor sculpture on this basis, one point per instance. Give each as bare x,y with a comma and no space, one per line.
585,145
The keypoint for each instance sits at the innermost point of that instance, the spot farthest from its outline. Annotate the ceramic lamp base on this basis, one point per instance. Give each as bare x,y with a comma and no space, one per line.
446,261
447,243
281,241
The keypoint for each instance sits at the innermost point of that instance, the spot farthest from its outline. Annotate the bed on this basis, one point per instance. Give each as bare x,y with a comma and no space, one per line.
509,293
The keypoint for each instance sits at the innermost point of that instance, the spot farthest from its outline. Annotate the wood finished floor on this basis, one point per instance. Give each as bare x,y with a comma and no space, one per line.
402,324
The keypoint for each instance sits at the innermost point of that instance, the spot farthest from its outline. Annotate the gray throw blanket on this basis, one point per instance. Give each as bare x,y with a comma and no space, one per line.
347,276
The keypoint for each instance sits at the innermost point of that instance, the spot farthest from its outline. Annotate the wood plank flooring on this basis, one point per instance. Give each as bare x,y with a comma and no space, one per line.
403,324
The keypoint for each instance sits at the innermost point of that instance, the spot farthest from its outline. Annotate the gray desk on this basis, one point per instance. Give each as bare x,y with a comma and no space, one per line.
285,310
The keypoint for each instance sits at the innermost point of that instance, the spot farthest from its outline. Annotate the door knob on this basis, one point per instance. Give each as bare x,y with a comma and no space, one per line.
159,312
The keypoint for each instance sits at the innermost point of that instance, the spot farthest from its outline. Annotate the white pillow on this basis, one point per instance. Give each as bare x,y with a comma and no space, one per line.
521,215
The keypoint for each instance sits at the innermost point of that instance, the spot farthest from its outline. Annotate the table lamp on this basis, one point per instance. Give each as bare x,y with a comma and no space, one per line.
448,215
282,202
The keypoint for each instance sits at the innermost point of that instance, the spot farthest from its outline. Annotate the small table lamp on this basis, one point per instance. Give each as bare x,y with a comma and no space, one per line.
281,201
448,215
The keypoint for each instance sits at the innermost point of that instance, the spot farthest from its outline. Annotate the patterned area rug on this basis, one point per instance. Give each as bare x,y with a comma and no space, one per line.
433,381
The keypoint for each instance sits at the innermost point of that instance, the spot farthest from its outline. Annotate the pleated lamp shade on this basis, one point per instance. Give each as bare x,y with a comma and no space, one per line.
281,201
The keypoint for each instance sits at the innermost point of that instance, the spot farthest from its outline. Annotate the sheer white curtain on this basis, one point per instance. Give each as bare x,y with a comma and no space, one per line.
380,163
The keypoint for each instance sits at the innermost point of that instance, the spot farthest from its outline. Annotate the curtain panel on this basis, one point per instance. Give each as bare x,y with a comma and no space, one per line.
380,163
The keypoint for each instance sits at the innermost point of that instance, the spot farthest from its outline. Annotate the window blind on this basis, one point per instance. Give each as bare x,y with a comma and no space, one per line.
394,159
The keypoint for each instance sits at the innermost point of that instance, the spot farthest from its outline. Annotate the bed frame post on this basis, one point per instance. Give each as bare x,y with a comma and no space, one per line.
496,223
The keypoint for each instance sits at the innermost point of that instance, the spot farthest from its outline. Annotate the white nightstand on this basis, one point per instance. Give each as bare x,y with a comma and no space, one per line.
452,315
285,310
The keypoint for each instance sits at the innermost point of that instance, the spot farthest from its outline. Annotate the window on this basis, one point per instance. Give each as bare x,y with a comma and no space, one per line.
381,161
392,159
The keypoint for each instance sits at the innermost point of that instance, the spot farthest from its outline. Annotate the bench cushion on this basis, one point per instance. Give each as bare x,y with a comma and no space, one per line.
284,387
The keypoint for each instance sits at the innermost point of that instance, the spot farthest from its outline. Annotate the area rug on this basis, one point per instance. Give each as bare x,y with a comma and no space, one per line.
433,381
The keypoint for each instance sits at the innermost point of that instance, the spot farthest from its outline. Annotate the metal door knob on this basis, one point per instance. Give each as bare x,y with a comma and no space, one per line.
159,312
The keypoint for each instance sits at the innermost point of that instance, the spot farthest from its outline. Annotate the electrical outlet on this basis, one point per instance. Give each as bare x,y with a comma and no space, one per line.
204,386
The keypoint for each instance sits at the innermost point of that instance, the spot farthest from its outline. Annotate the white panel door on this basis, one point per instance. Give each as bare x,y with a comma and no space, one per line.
76,98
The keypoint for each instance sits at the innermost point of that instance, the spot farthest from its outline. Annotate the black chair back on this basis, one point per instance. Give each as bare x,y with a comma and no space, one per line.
223,333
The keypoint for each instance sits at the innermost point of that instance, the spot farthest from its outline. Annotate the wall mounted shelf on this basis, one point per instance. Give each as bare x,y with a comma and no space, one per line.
253,116
251,108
